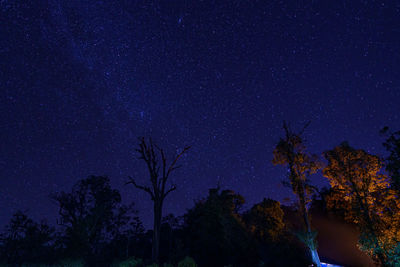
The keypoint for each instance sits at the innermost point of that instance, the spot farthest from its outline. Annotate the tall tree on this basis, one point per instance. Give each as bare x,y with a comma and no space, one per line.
363,192
159,173
291,152
92,215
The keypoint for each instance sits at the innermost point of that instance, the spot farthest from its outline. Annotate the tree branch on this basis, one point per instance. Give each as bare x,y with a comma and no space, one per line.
172,166
144,188
173,187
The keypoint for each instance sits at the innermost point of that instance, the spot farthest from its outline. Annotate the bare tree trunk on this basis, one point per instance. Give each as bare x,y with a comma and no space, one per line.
156,231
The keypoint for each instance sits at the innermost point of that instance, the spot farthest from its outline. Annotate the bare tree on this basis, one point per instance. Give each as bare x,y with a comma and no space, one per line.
159,172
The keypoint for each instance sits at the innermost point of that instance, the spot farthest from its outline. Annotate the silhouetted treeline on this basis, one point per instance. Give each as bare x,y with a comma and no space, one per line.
95,228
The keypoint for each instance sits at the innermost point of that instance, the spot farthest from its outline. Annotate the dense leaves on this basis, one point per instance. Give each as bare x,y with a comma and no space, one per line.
214,231
27,241
265,220
92,216
363,193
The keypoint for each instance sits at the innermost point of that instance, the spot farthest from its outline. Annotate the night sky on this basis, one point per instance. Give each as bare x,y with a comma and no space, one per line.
81,80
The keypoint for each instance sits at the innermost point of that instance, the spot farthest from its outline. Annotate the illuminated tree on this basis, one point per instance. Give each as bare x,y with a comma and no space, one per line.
291,152
158,176
363,192
265,220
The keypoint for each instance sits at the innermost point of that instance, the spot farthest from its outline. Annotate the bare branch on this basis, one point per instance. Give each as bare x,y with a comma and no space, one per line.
164,161
172,166
144,188
304,128
173,187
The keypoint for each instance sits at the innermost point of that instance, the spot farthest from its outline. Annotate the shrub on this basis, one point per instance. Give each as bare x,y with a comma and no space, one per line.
32,265
131,262
187,262
71,263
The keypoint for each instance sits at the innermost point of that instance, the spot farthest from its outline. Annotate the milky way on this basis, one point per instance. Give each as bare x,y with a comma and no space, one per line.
81,80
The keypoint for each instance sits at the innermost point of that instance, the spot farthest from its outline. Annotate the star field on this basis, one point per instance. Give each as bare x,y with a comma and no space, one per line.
81,80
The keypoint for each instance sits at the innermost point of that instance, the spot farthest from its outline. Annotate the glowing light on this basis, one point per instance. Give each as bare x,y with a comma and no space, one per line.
323,264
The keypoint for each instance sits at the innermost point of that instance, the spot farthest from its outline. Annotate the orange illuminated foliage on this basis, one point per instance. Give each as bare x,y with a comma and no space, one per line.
362,191
265,220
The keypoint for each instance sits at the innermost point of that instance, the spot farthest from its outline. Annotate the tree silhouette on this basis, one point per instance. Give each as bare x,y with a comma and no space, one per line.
25,241
131,241
159,172
290,151
171,243
92,215
215,233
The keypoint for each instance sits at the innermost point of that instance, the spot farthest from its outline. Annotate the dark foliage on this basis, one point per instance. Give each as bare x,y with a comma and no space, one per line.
276,244
97,228
392,145
27,241
215,234
94,220
171,247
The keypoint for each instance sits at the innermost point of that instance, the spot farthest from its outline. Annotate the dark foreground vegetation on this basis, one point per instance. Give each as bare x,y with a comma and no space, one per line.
96,229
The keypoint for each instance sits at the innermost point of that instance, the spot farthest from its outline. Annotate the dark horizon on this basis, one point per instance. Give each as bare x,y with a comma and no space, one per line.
81,81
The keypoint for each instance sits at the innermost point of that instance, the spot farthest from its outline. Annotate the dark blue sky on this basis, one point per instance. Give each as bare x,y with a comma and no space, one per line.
81,80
